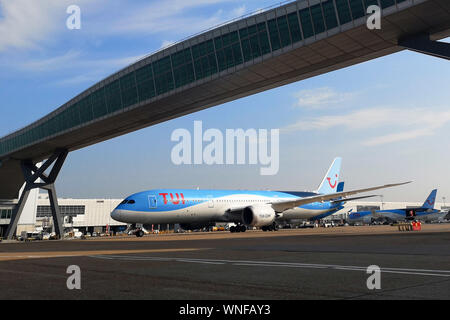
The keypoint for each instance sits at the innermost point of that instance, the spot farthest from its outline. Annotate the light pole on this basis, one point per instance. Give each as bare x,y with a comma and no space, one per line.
443,199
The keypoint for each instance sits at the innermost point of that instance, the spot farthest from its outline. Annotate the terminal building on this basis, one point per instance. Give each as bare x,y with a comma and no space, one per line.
86,215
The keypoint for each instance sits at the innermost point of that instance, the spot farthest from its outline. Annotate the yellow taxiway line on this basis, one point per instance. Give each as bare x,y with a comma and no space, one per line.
8,256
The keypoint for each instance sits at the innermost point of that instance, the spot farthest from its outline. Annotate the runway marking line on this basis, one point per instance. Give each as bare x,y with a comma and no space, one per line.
62,254
405,271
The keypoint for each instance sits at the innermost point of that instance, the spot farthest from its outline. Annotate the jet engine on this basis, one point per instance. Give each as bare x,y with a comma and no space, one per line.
258,216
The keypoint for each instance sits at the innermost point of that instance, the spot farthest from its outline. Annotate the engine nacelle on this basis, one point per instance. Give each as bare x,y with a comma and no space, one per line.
258,216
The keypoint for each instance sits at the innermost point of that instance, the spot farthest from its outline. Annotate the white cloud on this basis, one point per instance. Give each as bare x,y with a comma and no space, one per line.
425,121
167,43
50,64
162,16
96,69
400,136
27,24
35,26
320,97
74,60
75,80
239,11
71,68
366,118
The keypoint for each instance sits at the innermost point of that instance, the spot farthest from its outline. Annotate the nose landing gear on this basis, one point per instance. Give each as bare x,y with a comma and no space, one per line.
136,229
139,233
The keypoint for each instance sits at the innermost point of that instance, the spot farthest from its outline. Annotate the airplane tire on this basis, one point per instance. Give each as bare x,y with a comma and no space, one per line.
233,229
140,234
242,229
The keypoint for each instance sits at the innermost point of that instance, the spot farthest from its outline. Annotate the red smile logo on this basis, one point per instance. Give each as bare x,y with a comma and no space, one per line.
335,182
430,202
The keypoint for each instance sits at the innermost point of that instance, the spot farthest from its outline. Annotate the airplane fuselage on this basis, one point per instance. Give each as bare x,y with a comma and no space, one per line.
424,213
182,206
397,215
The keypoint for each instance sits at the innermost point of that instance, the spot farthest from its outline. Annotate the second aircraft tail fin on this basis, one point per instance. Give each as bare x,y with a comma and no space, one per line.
429,203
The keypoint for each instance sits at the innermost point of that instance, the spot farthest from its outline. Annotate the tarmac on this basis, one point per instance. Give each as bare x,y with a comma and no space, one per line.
284,265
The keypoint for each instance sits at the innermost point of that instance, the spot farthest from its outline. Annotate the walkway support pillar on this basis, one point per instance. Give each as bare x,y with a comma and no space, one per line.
31,174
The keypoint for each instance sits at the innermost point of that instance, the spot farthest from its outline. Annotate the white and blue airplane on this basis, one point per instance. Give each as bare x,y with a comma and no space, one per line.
426,212
195,209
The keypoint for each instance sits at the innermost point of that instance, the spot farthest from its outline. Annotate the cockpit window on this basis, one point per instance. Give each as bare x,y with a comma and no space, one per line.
128,202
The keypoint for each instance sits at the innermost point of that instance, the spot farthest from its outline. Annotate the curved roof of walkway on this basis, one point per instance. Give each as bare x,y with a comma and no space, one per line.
294,41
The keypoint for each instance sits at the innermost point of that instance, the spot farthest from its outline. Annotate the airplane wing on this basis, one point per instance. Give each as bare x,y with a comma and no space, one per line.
282,205
354,198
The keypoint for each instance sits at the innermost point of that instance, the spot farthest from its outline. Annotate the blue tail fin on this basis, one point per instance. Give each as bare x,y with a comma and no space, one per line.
340,187
429,203
330,181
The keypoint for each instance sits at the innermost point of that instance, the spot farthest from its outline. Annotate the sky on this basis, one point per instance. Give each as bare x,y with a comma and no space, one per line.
389,118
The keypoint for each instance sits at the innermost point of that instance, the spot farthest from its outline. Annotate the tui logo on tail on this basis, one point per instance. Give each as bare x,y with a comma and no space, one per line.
431,200
334,184
330,182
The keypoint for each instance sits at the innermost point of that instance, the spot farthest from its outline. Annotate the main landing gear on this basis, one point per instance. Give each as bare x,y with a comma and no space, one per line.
239,228
272,227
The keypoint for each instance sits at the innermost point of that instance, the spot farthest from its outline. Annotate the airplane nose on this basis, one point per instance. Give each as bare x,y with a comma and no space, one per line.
116,215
